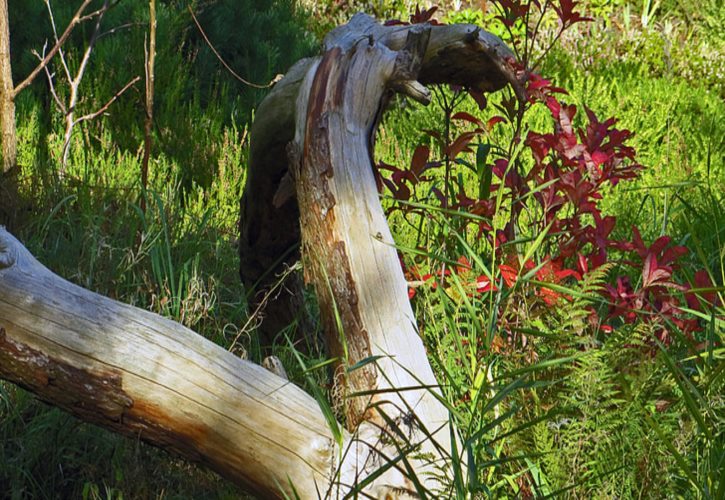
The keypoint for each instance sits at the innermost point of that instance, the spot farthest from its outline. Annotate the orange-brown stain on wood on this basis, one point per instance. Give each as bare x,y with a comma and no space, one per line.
95,395
328,262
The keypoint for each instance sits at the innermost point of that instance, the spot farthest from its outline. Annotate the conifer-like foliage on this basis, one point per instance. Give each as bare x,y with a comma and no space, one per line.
259,39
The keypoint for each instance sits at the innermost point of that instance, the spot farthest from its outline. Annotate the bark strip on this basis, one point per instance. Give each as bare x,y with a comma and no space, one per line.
269,213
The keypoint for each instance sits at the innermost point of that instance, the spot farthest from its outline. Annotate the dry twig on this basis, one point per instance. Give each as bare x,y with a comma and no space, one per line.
224,63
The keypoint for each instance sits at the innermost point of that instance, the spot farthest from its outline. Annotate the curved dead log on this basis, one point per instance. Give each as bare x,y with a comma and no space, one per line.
269,213
311,158
144,376
348,251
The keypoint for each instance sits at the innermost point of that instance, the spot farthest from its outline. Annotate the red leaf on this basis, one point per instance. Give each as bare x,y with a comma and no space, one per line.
536,82
441,197
420,157
386,166
652,274
598,157
549,296
566,117
582,264
389,184
509,274
565,273
638,243
462,115
403,193
483,284
500,166
463,265
566,13
702,280
423,16
460,144
659,245
479,97
493,121
554,106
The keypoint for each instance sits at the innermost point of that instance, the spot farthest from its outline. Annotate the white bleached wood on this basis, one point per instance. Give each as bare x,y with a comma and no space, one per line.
460,54
349,252
142,375
145,376
178,390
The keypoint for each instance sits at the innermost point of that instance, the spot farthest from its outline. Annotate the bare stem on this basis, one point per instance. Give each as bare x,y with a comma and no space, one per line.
148,122
224,63
70,121
104,108
77,18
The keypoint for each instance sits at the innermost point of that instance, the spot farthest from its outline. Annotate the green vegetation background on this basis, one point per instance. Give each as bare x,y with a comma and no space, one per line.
658,66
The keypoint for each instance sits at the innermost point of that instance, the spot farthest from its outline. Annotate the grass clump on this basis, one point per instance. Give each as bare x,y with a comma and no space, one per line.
558,388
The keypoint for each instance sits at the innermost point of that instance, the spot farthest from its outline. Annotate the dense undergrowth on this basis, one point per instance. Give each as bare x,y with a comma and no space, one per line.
568,376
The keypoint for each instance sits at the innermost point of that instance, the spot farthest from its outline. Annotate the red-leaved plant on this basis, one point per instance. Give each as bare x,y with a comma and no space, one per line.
555,191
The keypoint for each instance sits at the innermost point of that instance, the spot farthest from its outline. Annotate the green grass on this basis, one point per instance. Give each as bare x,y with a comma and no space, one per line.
631,424
554,410
46,453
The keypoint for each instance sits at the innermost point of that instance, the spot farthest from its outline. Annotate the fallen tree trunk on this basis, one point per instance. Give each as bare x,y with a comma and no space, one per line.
311,161
138,374
145,376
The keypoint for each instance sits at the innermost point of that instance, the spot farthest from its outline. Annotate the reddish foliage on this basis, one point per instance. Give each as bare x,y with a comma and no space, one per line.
566,13
418,17
571,167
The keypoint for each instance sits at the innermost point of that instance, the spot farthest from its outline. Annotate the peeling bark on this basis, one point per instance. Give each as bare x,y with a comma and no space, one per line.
348,252
92,396
310,184
269,213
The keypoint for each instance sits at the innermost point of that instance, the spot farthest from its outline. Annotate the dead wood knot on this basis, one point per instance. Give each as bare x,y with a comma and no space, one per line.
472,36
7,252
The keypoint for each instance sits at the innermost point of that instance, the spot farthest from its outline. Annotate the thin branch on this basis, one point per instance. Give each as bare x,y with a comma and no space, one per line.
60,48
74,83
87,53
106,7
150,53
206,39
50,75
118,28
104,108
77,18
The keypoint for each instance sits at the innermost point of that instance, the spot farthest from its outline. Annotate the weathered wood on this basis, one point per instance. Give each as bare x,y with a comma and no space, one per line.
8,134
147,377
138,374
349,253
348,250
269,225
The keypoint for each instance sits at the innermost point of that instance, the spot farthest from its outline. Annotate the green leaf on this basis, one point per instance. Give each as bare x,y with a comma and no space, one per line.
484,173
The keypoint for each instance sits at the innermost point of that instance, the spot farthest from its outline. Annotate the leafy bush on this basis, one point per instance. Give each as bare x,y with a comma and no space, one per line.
514,261
549,400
